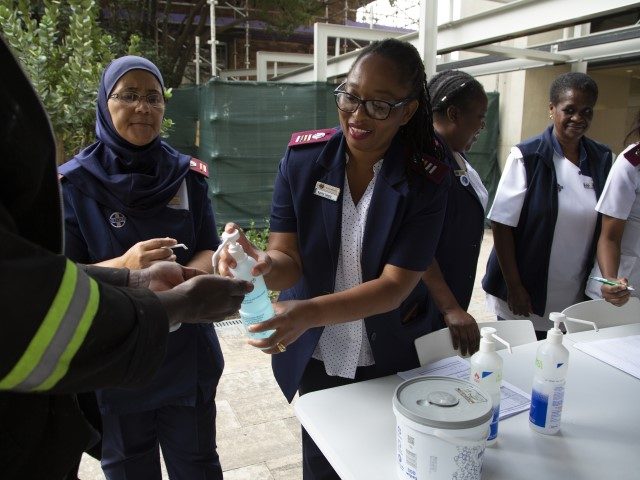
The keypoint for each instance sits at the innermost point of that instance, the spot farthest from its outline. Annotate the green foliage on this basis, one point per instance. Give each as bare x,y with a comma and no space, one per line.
258,236
63,51
284,16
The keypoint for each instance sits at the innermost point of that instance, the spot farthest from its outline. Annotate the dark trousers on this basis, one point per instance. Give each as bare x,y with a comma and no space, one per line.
187,435
314,465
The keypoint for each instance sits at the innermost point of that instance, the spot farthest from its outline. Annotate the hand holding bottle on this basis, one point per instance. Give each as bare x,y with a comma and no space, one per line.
292,318
225,260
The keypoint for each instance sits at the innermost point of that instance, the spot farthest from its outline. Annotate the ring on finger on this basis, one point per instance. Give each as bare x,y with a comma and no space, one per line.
281,347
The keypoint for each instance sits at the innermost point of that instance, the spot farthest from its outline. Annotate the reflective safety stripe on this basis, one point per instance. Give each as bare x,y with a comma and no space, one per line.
46,360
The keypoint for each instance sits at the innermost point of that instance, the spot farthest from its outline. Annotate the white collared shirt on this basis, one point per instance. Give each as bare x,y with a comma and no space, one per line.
345,346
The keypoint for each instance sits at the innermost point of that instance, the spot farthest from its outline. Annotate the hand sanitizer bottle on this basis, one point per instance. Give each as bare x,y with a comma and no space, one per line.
486,372
547,396
256,306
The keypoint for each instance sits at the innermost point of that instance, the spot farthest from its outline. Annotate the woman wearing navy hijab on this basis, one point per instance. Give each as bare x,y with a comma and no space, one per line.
128,198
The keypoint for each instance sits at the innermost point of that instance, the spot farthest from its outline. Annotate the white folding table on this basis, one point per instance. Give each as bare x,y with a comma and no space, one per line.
354,425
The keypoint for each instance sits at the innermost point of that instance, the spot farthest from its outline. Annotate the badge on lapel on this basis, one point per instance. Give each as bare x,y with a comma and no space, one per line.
326,191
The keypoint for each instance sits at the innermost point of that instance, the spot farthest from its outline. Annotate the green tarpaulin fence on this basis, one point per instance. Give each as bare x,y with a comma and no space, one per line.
241,129
483,156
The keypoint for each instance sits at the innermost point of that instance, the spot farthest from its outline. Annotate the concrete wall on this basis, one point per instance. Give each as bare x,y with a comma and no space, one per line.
611,119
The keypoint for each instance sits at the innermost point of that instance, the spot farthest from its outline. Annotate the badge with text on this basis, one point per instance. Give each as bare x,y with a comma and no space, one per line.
327,191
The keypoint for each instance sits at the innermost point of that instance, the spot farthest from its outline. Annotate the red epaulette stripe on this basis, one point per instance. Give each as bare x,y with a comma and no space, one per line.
633,155
311,136
435,169
199,166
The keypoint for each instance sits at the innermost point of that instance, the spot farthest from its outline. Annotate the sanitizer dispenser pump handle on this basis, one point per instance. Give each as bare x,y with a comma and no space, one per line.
557,317
227,238
489,333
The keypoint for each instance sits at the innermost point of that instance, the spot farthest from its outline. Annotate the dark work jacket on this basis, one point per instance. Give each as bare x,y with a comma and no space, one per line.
533,235
43,434
403,226
460,240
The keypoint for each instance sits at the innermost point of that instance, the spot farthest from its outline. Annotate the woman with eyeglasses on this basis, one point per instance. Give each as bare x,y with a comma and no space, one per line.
545,227
459,105
128,199
355,220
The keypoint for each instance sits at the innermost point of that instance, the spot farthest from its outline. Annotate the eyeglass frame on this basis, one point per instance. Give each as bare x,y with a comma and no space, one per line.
392,105
135,103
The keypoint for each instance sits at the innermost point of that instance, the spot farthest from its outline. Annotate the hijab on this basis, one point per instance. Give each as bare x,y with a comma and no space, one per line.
131,179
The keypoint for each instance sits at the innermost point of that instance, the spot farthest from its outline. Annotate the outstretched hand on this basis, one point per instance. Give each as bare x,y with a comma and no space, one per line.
162,276
203,299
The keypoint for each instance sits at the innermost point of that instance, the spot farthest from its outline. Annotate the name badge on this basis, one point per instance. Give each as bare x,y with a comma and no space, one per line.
588,185
327,191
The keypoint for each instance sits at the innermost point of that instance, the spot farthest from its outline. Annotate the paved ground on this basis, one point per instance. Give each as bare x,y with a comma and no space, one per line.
258,433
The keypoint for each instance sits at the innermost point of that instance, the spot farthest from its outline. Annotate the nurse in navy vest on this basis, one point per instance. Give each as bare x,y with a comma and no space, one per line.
356,216
459,108
545,227
128,198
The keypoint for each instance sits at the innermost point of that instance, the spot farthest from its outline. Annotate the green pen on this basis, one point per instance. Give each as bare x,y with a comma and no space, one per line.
609,282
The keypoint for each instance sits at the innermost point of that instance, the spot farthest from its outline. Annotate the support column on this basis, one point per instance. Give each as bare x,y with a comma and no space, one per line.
428,35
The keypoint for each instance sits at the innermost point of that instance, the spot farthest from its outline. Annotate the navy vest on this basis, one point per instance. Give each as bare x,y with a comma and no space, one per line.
533,235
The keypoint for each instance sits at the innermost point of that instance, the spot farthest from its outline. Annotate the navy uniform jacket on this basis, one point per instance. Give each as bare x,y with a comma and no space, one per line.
193,354
459,245
403,227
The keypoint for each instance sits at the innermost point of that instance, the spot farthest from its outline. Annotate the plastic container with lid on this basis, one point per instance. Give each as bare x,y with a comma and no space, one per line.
441,428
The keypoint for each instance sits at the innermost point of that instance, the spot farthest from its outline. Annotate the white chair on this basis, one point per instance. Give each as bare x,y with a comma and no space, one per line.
602,313
437,345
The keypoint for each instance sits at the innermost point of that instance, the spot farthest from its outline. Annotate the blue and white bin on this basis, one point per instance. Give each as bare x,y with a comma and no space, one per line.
441,428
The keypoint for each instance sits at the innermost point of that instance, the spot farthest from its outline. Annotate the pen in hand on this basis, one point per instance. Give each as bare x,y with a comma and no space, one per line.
179,245
609,282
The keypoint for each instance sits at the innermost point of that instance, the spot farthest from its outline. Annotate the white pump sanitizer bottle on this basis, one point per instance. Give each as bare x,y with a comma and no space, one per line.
550,373
486,372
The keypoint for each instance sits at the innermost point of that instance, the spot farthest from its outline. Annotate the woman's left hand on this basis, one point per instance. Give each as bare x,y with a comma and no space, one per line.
464,331
291,320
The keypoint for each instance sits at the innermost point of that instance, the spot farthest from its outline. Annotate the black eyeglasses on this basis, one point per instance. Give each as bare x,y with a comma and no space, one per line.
155,100
376,109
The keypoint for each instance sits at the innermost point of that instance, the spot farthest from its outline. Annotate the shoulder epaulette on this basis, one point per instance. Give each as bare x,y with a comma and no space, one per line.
633,155
311,136
199,166
435,169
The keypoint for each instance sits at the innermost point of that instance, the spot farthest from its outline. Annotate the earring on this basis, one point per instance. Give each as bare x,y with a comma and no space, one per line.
550,116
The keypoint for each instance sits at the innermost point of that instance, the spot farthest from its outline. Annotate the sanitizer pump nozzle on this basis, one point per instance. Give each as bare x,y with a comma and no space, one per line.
256,306
486,372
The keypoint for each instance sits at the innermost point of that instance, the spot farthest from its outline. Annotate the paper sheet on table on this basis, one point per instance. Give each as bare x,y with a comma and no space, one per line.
622,353
512,399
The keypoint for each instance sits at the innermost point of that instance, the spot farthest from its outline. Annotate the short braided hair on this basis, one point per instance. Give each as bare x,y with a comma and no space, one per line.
453,88
572,81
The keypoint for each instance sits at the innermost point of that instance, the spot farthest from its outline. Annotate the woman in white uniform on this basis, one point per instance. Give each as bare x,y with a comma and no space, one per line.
619,243
543,217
